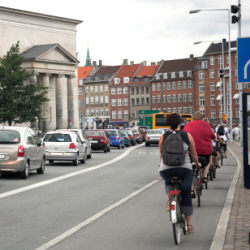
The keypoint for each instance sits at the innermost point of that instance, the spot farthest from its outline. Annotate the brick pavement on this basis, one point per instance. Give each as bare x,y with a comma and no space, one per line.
237,235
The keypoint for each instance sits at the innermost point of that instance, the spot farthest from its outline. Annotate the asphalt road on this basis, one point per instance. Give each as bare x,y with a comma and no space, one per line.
114,201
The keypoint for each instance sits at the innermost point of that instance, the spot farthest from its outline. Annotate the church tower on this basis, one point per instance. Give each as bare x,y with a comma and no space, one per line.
88,59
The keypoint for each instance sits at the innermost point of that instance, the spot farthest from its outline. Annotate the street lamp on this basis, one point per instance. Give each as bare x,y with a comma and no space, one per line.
229,53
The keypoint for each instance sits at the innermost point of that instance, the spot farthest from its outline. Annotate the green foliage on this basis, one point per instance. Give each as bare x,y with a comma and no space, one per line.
19,102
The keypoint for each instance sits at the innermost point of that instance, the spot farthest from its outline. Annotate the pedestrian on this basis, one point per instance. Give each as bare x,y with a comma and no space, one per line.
236,133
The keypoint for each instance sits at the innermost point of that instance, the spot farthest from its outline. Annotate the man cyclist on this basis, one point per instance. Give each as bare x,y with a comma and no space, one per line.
202,135
222,131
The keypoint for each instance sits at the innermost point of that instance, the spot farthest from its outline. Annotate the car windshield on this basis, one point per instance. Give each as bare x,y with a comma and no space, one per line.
135,130
9,137
111,133
158,132
129,132
124,133
90,132
57,138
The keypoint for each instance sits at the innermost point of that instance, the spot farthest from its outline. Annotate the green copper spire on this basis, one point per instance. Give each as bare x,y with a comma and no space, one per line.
88,59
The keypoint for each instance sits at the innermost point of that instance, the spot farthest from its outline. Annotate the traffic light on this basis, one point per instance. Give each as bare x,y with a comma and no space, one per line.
221,73
235,9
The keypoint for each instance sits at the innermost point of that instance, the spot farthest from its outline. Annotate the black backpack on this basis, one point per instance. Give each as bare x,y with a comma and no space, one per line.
221,130
173,153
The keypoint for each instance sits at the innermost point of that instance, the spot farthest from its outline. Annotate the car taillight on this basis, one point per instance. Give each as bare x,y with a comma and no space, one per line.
44,144
131,136
72,146
21,151
103,141
147,138
117,137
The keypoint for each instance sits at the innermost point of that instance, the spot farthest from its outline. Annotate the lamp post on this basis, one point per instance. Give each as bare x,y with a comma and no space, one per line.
229,53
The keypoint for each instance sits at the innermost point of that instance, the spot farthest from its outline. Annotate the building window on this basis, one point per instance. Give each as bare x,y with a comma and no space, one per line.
212,86
184,97
101,99
106,88
201,74
237,113
158,99
211,60
79,103
190,110
190,97
96,88
120,114
163,86
179,110
179,98
173,75
213,114
202,101
220,60
181,74
235,71
113,114
87,100
80,91
113,102
153,87
236,85
154,99
201,87
158,86
212,73
126,115
190,84
119,91
125,101
185,110
92,112
97,112
174,98
91,89
142,101
132,91
92,100
96,99
174,110
87,112
113,91
204,64
133,113
227,59
106,111
179,85
169,85
137,101
189,73
173,85
119,102
125,90
169,110
101,88
106,99
147,100
102,112
137,90
133,101
142,90
212,99
202,112
184,84
147,89
87,89
169,98
237,101
164,99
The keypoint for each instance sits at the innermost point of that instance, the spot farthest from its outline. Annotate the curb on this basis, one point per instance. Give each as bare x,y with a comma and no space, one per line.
220,233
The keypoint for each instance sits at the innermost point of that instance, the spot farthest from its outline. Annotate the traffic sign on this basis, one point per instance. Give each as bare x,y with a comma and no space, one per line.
243,55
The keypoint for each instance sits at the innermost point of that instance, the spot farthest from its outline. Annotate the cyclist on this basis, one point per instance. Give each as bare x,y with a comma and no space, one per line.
184,171
223,133
202,135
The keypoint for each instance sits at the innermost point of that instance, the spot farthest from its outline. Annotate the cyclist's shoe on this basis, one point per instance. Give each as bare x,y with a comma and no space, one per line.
190,229
193,195
204,179
168,206
217,166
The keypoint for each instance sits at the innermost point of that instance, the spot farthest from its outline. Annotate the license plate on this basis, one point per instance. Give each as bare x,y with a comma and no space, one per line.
93,141
56,153
2,156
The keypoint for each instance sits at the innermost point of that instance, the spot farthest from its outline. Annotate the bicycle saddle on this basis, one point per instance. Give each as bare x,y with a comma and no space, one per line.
175,179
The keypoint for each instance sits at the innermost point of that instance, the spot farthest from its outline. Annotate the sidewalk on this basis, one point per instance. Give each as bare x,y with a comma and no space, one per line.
237,235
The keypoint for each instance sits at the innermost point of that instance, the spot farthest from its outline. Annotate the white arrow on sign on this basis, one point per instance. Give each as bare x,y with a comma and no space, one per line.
245,69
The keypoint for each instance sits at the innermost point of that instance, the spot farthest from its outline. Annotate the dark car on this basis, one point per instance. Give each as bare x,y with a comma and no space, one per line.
98,139
126,137
137,133
131,137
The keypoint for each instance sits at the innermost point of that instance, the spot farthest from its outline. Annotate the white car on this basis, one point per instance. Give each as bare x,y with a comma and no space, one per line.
64,146
153,136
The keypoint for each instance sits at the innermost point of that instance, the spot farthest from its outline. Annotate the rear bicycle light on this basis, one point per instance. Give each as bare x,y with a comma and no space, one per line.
72,146
172,206
174,192
21,151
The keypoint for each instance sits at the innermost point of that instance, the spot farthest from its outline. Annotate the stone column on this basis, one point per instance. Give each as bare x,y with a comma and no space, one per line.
33,80
70,100
46,105
59,102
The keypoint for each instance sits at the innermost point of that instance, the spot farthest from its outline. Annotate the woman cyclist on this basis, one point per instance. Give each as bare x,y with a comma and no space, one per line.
184,171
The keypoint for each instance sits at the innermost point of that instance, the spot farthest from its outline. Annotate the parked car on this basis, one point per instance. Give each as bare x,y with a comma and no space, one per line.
83,137
126,137
153,136
21,151
131,137
137,133
64,146
116,138
98,139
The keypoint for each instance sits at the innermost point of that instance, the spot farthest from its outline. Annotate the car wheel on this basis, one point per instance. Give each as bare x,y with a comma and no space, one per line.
51,161
25,173
42,168
105,150
75,162
129,144
123,146
119,147
83,160
146,144
109,149
89,156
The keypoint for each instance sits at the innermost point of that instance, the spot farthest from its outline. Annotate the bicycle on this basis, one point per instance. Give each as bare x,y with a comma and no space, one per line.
221,155
197,182
177,218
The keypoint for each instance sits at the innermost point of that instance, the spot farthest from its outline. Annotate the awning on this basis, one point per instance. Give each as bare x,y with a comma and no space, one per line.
118,123
236,96
218,84
219,97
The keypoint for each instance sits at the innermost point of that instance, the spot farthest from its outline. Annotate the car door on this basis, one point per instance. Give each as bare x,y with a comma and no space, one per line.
88,144
32,150
40,151
80,147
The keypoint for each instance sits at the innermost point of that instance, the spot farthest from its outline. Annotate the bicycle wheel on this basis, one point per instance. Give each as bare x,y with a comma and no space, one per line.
184,224
211,174
177,226
214,173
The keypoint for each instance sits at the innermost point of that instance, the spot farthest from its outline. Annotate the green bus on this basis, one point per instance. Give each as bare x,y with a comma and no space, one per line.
146,117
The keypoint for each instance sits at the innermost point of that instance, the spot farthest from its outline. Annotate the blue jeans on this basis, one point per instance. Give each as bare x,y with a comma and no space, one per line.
185,186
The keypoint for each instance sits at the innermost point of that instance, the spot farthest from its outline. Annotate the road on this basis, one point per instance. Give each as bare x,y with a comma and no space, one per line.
114,201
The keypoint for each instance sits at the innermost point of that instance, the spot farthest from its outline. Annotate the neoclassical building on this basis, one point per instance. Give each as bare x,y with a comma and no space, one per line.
48,45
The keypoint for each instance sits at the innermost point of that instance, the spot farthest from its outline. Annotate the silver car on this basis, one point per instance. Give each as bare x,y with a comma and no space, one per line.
153,136
21,151
83,137
64,146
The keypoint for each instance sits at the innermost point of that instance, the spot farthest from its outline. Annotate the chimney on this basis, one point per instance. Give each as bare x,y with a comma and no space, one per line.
224,40
94,63
152,63
159,62
125,61
131,63
100,62
191,57
144,63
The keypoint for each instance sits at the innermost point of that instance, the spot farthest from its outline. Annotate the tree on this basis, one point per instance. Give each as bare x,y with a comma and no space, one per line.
19,102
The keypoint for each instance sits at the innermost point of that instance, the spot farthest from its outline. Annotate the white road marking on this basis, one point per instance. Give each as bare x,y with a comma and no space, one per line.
63,177
93,218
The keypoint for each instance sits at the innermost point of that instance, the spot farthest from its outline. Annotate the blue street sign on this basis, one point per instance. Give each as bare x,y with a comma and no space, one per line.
243,55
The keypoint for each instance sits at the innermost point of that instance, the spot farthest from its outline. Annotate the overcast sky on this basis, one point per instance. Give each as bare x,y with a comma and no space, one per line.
142,30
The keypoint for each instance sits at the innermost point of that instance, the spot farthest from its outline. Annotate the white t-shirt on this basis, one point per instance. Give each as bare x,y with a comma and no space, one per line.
225,137
236,131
